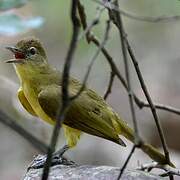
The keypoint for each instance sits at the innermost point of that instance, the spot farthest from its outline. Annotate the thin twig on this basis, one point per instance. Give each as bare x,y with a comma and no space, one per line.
127,161
152,107
169,170
162,107
158,19
8,121
93,60
146,93
137,139
68,61
125,58
95,40
65,83
110,84
88,28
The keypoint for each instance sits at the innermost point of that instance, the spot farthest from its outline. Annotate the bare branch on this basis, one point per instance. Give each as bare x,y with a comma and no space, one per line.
88,28
126,162
68,61
95,40
110,84
93,60
5,119
119,24
153,109
161,107
153,165
162,18
146,93
120,27
65,83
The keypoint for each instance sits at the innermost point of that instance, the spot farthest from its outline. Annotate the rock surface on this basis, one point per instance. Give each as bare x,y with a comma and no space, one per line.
88,172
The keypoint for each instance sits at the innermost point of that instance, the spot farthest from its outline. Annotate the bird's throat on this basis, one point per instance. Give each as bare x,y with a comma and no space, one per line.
27,72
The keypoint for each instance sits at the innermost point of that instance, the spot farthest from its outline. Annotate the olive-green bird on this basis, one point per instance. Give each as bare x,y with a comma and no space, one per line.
40,94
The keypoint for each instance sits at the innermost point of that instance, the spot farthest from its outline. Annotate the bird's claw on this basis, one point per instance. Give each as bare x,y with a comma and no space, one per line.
40,160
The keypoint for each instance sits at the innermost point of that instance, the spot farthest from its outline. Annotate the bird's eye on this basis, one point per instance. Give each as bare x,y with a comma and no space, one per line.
32,50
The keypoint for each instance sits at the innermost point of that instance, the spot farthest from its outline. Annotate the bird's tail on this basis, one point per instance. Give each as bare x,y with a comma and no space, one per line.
151,151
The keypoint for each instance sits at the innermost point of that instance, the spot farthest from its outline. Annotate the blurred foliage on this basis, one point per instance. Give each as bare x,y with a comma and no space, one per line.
9,4
13,24
153,7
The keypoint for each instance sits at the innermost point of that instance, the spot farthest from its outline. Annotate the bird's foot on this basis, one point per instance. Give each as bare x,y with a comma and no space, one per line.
57,159
61,151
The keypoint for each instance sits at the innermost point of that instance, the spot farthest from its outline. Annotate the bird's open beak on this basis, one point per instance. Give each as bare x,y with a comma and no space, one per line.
18,53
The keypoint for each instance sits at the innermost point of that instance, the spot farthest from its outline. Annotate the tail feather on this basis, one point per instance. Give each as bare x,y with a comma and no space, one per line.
121,142
154,154
148,149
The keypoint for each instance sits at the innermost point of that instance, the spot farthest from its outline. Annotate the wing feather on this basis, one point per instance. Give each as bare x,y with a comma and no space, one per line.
50,100
25,102
88,113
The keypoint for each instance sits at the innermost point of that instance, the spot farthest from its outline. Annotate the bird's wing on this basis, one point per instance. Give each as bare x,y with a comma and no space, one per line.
50,100
25,102
88,113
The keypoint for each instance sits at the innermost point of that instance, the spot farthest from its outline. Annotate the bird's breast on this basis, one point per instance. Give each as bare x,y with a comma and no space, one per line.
31,95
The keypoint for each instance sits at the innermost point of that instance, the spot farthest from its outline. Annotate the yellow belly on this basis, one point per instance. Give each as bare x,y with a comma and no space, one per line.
32,98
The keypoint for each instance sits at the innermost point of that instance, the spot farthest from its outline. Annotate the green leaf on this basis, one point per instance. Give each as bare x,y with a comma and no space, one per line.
9,4
12,24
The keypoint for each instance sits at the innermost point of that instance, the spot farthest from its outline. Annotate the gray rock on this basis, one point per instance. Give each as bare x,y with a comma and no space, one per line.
88,172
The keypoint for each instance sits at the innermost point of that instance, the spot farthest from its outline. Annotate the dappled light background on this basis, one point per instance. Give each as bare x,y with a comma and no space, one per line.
157,48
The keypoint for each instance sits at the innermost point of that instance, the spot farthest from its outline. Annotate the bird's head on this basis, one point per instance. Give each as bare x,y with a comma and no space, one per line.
29,58
28,52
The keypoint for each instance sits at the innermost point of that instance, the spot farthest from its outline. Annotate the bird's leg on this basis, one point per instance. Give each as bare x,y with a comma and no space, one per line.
60,152
57,158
